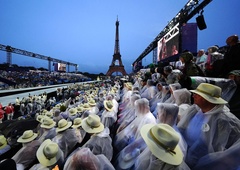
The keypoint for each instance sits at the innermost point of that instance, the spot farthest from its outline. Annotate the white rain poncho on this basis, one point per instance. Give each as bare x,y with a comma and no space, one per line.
165,95
84,159
153,102
66,140
222,160
129,114
127,157
27,154
172,87
101,143
209,132
182,99
168,113
108,118
47,134
151,90
132,131
147,161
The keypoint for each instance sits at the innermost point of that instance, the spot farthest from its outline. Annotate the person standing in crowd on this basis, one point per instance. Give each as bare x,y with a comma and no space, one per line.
231,57
1,113
208,126
201,59
9,110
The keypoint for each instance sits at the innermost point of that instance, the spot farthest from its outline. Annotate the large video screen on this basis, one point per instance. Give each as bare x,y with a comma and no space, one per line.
60,67
168,45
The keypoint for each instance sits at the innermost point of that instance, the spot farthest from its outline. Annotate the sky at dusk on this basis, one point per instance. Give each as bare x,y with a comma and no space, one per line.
83,31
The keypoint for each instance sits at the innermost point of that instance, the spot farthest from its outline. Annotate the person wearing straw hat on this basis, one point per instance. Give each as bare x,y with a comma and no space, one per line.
49,155
30,146
77,125
48,130
84,159
27,137
108,117
72,112
208,126
93,105
4,147
100,142
163,151
66,137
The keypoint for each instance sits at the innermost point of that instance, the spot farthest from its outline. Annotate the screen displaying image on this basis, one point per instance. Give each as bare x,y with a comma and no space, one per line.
168,45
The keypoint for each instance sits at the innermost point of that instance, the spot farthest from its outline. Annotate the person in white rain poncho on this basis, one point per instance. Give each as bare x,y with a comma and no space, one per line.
163,151
129,115
172,87
151,90
84,159
182,100
66,137
109,116
168,113
132,131
208,126
100,142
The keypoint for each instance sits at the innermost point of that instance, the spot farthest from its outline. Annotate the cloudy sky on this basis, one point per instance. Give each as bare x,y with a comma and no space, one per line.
83,31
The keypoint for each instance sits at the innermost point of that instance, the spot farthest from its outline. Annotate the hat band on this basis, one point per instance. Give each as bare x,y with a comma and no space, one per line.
27,137
207,93
92,126
169,150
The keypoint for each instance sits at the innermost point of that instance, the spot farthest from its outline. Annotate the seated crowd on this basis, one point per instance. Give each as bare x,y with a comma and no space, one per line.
166,119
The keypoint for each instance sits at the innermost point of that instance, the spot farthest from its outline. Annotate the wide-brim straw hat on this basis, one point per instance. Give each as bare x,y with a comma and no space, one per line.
210,92
63,124
3,141
47,123
162,140
108,104
92,124
72,111
27,136
128,159
92,102
48,153
86,106
77,122
80,109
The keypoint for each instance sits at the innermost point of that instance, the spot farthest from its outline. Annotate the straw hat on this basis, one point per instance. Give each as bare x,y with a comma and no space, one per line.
79,109
129,86
27,136
162,140
128,159
86,106
108,104
77,122
49,114
3,141
39,118
44,111
72,111
47,123
92,102
63,124
48,153
92,124
210,92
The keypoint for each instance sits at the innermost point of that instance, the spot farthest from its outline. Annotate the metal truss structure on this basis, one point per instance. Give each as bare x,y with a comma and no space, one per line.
186,13
11,50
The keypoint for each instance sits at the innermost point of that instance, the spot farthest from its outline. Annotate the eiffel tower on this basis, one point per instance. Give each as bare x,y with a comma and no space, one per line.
116,65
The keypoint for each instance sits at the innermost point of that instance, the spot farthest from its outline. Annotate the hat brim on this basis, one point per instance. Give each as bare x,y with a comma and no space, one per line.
48,127
89,129
41,156
158,151
214,100
4,145
64,128
106,107
21,140
76,126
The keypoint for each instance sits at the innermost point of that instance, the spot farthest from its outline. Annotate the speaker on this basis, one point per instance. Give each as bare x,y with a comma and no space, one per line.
201,22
